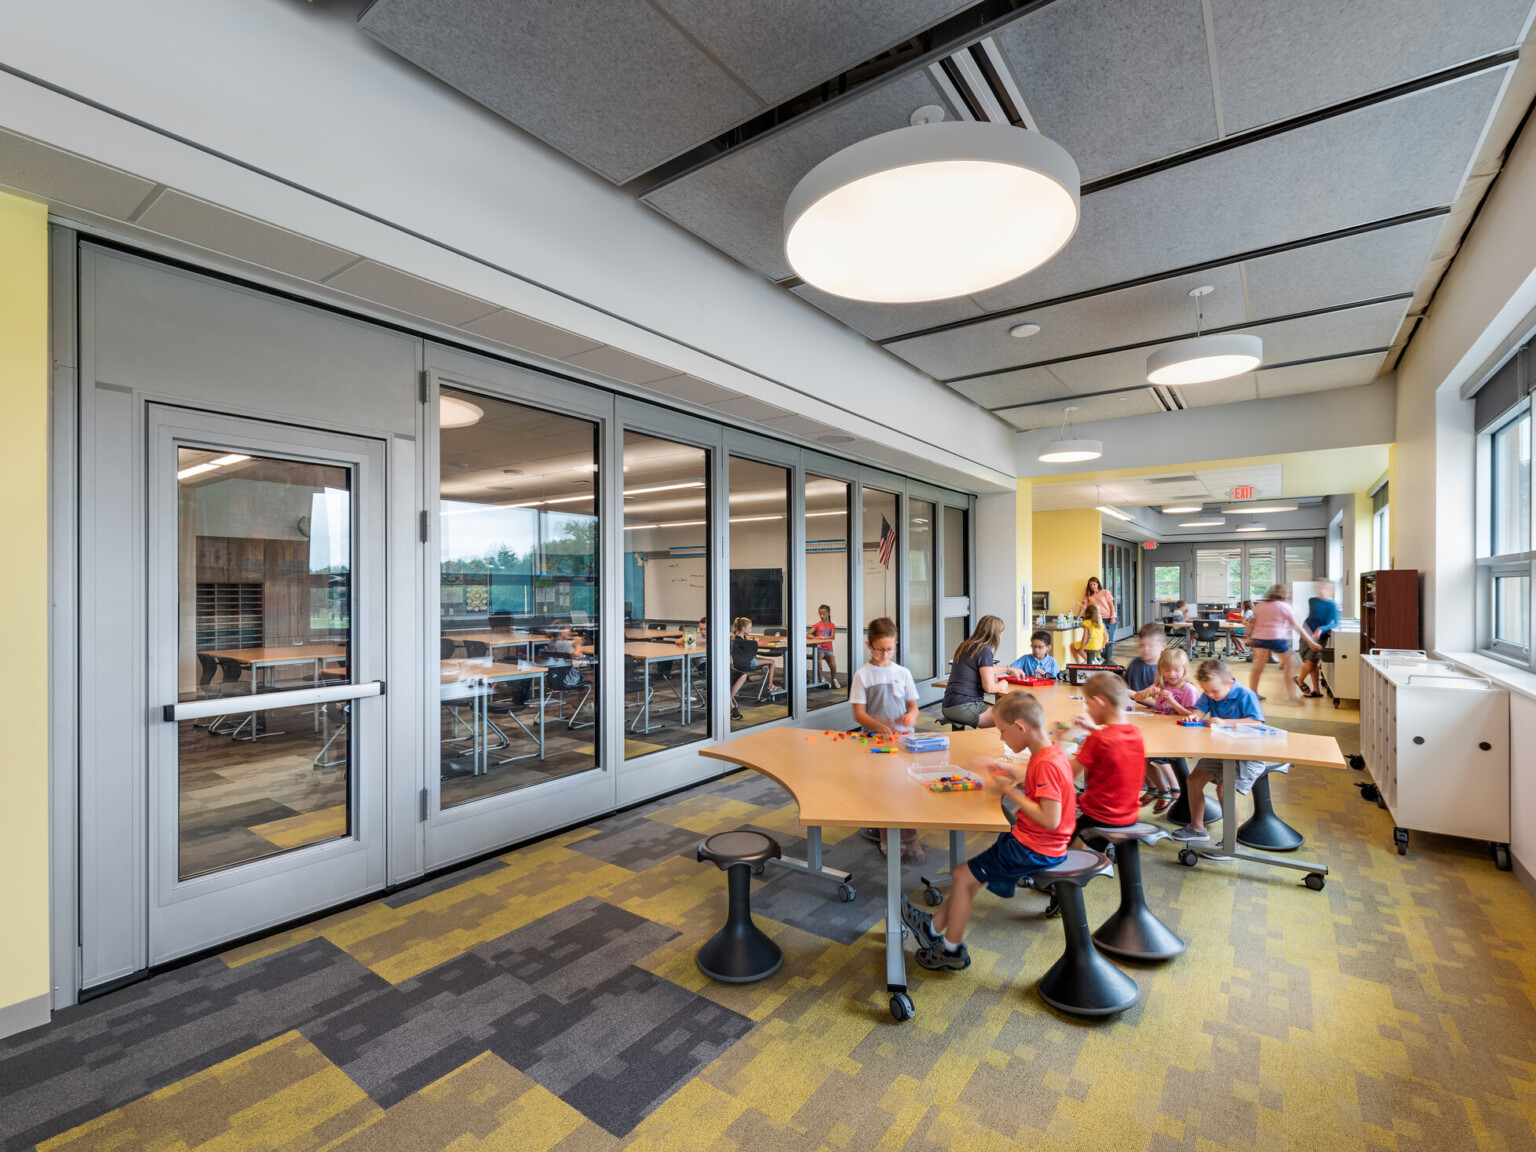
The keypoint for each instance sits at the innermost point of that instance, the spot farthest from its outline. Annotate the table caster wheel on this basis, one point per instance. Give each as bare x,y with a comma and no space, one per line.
1188,857
931,895
902,1009
1501,857
1315,881
846,893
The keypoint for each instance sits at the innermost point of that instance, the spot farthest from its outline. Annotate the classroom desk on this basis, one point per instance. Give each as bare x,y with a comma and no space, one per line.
841,782
501,639
648,634
256,659
652,652
1226,627
475,680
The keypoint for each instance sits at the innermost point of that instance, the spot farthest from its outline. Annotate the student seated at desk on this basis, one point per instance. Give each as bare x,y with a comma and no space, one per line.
1240,615
744,661
1173,693
561,653
1142,671
1038,661
700,637
1090,649
973,676
1042,788
884,699
825,631
1181,613
1224,699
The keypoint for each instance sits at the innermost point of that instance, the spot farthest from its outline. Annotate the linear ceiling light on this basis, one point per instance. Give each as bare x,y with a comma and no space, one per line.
663,488
556,500
930,212
1115,512
1181,509
1256,508
1208,522
1249,528
1204,358
210,466
667,524
455,413
1065,450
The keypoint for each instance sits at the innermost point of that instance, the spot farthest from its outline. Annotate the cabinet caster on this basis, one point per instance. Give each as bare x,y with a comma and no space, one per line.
1354,759
1400,838
1501,857
1368,792
1188,857
902,1008
846,893
1315,881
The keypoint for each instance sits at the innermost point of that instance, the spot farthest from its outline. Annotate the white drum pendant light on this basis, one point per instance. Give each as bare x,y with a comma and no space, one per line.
1065,450
1204,358
931,211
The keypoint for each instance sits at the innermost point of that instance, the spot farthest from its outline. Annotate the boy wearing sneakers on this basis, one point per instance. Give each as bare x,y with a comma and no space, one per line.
884,699
1044,792
1224,699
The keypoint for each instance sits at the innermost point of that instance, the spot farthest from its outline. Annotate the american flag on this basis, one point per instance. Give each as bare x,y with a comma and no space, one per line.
887,541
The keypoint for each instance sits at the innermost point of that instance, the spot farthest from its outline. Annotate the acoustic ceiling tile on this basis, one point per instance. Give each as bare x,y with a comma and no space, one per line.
535,336
1332,333
1281,60
750,408
618,88
1231,391
218,229
1138,403
693,390
1013,388
1103,373
1359,267
1322,376
780,48
1149,312
879,321
407,293
737,202
621,365
1117,84
1370,164
53,174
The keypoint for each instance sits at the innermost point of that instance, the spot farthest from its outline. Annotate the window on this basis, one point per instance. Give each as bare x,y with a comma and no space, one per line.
518,598
1261,571
920,588
1505,571
957,582
880,525
759,592
1299,562
826,586
1165,582
1218,575
1381,538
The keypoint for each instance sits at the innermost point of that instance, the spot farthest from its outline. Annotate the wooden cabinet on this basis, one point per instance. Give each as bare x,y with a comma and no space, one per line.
1389,610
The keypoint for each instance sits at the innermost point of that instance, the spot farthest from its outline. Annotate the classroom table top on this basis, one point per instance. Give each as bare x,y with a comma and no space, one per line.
1217,623
661,650
295,653
453,671
503,636
842,782
652,634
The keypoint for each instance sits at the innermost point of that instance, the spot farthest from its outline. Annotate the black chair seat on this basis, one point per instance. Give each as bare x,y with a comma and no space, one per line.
1146,833
739,847
1078,868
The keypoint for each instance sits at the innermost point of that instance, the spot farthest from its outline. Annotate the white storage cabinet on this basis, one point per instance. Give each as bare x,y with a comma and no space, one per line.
1343,672
1436,741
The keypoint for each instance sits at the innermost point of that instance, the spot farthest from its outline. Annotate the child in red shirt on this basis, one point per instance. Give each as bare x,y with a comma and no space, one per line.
1046,797
1112,759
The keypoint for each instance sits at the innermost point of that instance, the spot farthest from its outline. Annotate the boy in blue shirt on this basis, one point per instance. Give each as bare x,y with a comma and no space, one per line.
1039,661
1226,700
1322,618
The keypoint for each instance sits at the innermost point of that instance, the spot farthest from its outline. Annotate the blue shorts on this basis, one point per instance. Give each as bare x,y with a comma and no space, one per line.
1003,865
1272,645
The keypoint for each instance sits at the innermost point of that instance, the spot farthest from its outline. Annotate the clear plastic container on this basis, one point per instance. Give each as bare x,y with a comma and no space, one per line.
945,778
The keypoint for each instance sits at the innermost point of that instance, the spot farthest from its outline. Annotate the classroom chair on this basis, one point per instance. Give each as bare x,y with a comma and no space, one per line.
1082,981
1133,931
740,952
1265,830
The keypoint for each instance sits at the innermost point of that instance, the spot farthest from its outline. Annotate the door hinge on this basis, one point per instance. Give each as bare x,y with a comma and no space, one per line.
426,386
426,526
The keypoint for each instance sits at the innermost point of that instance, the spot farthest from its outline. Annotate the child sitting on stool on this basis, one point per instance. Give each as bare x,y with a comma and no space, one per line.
1042,788
1224,699
1038,661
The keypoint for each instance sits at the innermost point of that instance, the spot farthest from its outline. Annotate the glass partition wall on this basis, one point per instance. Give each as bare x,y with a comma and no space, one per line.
879,563
761,632
667,630
920,589
518,596
832,638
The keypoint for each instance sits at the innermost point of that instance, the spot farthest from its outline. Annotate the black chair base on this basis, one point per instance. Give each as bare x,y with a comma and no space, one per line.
1082,982
1133,931
1265,830
740,953
1178,811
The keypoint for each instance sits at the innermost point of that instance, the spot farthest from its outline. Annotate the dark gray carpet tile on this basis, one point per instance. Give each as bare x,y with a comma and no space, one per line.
104,1053
638,844
750,788
442,883
214,821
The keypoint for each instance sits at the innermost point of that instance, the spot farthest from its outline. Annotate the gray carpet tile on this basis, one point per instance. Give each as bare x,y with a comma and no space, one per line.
634,842
442,883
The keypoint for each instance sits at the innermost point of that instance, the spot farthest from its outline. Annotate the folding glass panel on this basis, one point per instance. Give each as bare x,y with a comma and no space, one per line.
1299,562
1218,575
827,572
1261,571
879,567
760,635
666,594
518,596
957,553
920,588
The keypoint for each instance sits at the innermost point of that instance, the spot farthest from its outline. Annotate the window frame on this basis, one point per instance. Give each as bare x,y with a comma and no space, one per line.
1493,566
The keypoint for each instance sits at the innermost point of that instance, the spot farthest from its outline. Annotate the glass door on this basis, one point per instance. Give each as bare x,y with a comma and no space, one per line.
266,659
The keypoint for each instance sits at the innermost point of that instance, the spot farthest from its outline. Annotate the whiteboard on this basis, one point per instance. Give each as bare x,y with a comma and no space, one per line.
676,588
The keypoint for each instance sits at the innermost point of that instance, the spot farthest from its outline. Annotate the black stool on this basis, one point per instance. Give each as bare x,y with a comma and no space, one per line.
739,953
1134,931
1082,981
1264,829
1178,811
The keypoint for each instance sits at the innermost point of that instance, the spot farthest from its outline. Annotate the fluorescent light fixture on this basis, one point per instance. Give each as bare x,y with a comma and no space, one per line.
195,470
931,212
455,413
1258,507
1115,512
808,515
1204,358
1064,449
668,524
663,488
1182,509
232,458
750,519
542,503
1210,522
1249,528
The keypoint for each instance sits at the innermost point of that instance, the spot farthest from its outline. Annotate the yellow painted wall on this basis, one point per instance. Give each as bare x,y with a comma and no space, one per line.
1065,552
24,967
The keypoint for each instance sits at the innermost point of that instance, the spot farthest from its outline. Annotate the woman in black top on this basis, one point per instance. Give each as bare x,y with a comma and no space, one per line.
973,674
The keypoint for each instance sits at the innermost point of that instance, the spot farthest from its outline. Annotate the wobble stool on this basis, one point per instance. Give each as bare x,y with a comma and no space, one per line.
740,952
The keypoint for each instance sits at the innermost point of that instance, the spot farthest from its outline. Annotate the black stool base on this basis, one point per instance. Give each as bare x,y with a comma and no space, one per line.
1265,830
736,956
1082,982
1178,812
1137,934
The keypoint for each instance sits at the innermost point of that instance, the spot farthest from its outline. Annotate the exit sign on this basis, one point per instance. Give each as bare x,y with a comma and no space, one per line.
1243,492
1149,544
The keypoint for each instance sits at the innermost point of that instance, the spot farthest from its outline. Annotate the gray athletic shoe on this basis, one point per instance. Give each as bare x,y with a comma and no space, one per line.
921,924
939,960
1191,835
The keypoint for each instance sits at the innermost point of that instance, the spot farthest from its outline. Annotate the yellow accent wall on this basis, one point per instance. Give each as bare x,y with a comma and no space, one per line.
1065,552
24,966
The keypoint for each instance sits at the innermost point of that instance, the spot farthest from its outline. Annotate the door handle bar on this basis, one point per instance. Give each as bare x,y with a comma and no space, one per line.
263,701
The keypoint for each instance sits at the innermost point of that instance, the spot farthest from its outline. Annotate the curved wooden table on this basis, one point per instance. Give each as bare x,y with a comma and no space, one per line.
841,782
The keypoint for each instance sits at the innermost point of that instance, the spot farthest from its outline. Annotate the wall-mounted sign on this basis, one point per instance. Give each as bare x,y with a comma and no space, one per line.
1242,492
1149,544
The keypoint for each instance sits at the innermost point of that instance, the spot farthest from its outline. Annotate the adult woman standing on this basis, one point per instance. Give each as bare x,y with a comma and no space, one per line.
1273,623
1101,598
972,674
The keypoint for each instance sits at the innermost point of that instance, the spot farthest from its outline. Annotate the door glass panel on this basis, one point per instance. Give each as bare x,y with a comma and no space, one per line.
264,556
1218,575
1261,571
759,592
956,629
666,594
826,591
957,556
920,588
1298,562
518,597
879,561
1165,582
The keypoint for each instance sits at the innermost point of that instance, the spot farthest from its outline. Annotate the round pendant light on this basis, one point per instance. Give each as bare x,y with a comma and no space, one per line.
1205,358
1066,450
455,413
931,211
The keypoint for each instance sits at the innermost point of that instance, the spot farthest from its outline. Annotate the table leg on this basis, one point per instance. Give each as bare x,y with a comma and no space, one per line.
956,849
895,955
543,706
1229,849
812,864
